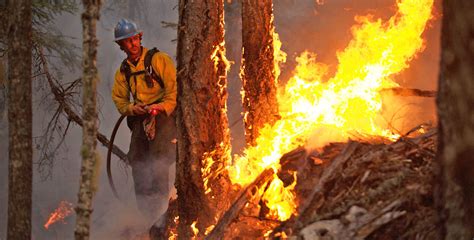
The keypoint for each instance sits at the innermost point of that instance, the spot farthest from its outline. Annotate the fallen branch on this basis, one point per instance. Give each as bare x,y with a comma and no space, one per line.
408,92
71,115
335,165
238,205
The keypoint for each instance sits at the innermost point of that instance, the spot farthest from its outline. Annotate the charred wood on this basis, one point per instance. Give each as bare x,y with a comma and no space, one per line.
247,194
408,92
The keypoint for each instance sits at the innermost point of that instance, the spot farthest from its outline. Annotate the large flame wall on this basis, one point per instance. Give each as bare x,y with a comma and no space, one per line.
345,101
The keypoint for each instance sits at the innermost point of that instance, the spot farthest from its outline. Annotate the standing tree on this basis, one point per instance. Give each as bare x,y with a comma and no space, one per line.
456,122
89,169
203,135
19,119
258,75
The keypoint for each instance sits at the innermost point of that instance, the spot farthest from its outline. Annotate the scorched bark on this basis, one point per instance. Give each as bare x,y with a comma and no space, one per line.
201,114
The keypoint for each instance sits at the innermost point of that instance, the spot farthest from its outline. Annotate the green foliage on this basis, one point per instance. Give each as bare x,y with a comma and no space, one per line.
45,35
49,37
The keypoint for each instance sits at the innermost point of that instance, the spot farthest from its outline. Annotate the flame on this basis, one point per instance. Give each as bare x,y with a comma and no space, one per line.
174,231
280,200
209,170
64,210
338,107
279,55
194,228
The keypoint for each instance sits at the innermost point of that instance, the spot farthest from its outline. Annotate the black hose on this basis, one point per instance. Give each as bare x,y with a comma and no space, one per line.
109,154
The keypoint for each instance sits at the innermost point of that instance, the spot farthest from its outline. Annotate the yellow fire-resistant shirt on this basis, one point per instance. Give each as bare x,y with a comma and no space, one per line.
164,67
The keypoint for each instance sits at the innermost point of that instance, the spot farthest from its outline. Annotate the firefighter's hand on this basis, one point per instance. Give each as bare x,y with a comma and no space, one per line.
139,109
155,109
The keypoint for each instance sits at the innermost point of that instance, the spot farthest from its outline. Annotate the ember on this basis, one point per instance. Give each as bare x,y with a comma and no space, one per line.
64,210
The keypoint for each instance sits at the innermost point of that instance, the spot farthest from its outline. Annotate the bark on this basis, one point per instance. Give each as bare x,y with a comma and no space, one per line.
258,75
456,124
19,119
201,114
90,78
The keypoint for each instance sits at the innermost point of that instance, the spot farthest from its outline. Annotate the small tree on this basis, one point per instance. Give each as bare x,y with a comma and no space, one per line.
90,78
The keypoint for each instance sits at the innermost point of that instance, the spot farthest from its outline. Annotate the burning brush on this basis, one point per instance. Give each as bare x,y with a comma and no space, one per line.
64,210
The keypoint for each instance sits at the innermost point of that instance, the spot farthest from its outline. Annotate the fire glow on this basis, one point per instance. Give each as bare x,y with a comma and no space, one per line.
64,210
346,104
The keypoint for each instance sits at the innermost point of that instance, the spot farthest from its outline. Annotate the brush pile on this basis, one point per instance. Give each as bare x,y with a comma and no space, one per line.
366,189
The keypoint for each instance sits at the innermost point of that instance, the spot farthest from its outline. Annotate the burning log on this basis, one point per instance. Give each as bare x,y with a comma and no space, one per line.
408,92
238,205
290,163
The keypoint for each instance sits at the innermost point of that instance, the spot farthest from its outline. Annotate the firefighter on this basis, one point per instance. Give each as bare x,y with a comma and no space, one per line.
149,77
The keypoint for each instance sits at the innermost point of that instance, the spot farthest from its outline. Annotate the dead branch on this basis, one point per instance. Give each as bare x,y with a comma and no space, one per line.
67,109
234,210
408,92
335,165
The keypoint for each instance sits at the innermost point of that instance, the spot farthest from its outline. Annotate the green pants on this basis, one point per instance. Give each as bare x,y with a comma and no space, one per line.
150,162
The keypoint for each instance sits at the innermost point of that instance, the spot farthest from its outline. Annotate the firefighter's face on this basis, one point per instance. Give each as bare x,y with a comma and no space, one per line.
132,45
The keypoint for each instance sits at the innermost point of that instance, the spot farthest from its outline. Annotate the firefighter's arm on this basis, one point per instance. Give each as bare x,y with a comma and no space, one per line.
164,66
120,95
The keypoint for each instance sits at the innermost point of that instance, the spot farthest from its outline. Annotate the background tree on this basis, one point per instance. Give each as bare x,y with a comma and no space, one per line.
19,119
49,40
456,122
89,169
258,75
201,113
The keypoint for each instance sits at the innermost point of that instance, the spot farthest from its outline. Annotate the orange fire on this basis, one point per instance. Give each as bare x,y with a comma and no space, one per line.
195,229
320,109
64,210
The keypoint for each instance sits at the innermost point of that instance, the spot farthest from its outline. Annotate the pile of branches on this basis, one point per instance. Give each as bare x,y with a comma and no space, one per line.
365,189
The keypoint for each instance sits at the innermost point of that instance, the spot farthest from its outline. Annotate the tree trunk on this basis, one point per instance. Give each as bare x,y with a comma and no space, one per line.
201,115
89,169
258,75
456,122
19,119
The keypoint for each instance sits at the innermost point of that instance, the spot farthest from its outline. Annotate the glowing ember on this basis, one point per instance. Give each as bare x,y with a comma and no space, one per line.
64,210
209,229
334,109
